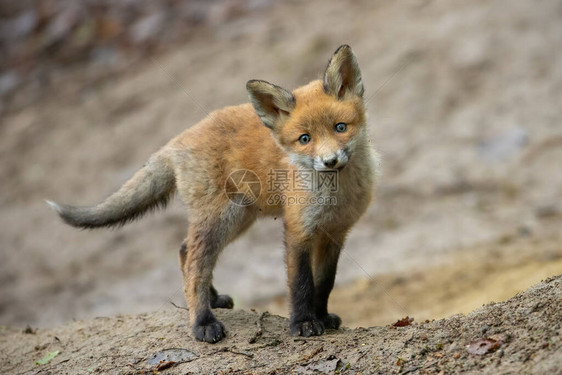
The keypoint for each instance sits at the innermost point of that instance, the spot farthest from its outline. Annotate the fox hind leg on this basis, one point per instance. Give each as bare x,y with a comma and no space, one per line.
203,246
218,301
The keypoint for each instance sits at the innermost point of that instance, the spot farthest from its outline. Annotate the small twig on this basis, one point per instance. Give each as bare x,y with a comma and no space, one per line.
410,370
307,339
225,349
274,342
179,307
362,355
49,367
259,331
311,355
166,365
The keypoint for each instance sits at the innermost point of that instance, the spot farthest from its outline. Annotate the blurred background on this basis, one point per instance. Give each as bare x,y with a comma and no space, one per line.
464,102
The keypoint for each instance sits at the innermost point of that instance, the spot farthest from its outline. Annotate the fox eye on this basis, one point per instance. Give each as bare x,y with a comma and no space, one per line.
341,127
304,139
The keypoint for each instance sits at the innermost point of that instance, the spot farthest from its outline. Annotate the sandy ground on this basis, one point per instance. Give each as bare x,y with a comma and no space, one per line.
464,106
523,336
461,283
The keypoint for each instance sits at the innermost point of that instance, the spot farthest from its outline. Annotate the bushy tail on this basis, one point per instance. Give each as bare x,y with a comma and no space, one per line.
150,188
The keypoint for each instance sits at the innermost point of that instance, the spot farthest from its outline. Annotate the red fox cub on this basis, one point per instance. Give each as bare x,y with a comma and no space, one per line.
311,164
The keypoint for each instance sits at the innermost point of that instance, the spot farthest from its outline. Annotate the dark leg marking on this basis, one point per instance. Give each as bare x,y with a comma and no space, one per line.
207,328
183,255
303,319
325,264
220,301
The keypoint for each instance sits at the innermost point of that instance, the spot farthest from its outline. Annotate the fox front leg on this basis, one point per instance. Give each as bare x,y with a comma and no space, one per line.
303,320
324,263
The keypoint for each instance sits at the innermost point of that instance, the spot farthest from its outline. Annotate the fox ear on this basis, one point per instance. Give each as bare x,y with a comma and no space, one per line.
271,102
343,77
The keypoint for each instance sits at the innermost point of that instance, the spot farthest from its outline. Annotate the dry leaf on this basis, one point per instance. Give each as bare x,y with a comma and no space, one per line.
483,346
404,322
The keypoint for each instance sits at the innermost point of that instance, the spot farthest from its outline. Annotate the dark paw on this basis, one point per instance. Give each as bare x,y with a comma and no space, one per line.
212,332
331,321
222,301
307,328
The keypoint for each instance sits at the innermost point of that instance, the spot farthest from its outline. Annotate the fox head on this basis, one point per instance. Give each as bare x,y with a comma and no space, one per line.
318,125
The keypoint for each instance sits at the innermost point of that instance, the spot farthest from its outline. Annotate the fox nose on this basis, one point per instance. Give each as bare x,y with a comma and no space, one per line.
331,162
